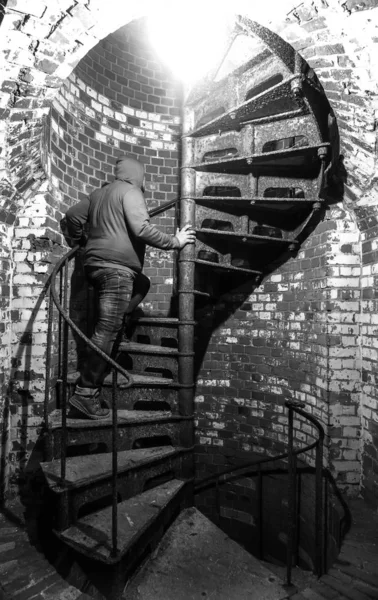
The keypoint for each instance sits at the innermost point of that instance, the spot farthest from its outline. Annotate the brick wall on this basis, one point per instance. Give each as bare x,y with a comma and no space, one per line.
120,101
349,81
41,44
254,512
295,336
93,120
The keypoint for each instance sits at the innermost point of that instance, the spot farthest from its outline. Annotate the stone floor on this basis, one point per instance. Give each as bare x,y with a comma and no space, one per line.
196,560
25,574
354,575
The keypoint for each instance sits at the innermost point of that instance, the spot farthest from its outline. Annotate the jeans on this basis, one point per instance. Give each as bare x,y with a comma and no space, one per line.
113,290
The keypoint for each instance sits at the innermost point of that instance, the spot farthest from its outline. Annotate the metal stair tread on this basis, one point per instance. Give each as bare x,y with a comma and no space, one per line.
124,417
135,348
243,237
261,159
92,534
150,320
138,379
81,470
236,117
257,201
220,266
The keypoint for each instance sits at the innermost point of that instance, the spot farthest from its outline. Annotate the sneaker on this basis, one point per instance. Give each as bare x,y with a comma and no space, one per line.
89,406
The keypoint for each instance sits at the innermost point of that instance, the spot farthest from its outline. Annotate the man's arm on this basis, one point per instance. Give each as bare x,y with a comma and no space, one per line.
77,217
138,220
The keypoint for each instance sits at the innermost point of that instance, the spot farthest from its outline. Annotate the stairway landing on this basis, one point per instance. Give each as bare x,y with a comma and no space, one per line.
195,559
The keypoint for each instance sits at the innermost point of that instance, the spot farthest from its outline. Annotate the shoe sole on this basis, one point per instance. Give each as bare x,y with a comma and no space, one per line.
83,410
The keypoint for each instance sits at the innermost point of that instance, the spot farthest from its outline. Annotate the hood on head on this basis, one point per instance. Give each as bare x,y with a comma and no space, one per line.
129,169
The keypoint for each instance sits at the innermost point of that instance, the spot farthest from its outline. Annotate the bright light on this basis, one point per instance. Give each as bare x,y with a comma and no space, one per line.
190,37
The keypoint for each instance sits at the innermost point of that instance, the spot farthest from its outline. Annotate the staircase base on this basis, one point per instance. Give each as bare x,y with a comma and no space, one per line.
195,559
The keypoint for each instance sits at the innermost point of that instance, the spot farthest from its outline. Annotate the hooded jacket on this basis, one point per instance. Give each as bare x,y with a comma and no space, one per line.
118,222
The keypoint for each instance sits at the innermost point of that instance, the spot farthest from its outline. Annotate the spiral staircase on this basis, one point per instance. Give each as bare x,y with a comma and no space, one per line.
257,147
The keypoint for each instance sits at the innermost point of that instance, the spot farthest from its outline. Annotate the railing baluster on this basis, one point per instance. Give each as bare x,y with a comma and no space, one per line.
63,449
319,507
295,512
217,501
60,323
114,466
293,488
260,513
47,448
290,499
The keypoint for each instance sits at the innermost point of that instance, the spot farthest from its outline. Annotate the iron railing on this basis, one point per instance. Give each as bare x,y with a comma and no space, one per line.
61,300
216,480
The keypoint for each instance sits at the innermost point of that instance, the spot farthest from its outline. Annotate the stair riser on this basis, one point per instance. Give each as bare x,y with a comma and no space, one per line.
163,366
110,580
254,186
227,96
234,222
253,139
155,334
130,483
179,433
128,398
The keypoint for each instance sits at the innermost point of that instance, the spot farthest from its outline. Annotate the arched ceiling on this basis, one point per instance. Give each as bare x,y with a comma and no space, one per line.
42,42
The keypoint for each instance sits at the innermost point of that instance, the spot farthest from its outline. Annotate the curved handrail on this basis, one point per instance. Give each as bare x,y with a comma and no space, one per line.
255,467
116,368
73,326
152,213
245,467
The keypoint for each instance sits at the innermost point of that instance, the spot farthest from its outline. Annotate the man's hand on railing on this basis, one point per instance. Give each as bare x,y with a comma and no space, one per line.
186,235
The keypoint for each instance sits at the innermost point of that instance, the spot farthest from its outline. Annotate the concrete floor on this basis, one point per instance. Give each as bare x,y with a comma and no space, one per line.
196,561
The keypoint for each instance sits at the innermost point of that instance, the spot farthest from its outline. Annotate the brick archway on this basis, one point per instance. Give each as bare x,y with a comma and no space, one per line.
43,44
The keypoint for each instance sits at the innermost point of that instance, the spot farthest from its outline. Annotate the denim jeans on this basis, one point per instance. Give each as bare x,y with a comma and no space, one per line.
113,289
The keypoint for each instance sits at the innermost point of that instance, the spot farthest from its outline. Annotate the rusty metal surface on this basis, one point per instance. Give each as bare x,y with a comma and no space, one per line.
275,140
130,484
139,348
280,161
129,435
253,137
158,334
136,516
130,398
278,100
132,479
152,365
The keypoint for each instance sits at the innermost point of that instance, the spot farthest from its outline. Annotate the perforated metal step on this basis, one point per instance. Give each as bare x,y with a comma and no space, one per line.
290,158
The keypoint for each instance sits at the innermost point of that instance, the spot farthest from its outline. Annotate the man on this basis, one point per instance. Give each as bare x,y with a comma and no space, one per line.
118,230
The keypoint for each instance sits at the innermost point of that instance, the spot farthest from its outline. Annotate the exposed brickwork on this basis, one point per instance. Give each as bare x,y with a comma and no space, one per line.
25,572
349,83
43,43
296,336
82,137
36,246
344,338
120,100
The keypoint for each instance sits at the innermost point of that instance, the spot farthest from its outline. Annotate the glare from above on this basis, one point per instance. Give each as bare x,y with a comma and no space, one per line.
190,37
